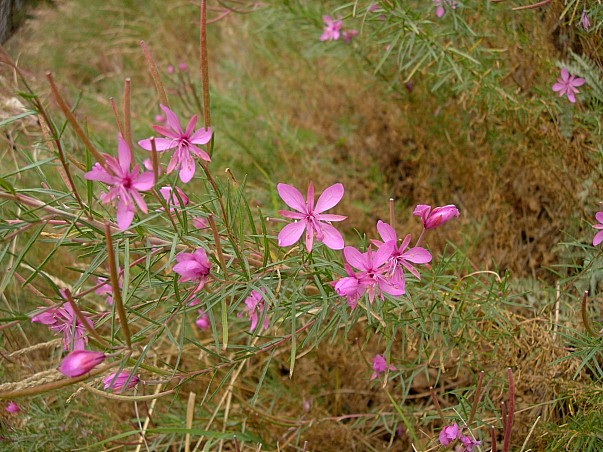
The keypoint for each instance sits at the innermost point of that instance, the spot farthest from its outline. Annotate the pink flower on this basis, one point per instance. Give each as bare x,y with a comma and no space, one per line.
203,321
380,366
183,67
310,218
63,320
568,84
400,257
107,288
436,217
468,443
184,141
125,184
79,362
159,118
331,30
348,35
599,235
584,20
178,199
349,287
170,69
122,381
449,434
12,408
440,6
372,276
373,7
193,267
200,222
254,306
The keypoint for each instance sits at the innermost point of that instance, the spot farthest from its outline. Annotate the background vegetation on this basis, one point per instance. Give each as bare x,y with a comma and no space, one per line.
457,109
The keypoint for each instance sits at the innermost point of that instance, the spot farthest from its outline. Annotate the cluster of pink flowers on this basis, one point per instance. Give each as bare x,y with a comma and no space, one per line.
373,272
451,433
126,182
381,271
333,30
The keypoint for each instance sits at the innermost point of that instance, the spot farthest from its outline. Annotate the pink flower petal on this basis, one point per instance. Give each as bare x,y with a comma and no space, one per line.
329,198
386,232
124,153
291,233
172,119
292,197
201,136
125,215
332,237
144,181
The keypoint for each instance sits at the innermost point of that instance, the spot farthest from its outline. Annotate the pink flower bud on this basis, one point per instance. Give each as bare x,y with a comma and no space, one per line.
203,321
79,362
436,217
117,381
183,67
170,69
12,408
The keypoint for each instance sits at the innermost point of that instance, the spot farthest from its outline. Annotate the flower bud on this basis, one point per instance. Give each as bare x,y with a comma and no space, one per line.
12,408
79,362
117,381
436,217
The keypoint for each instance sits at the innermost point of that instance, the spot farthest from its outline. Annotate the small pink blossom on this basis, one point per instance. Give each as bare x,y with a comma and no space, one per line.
349,34
568,84
310,217
436,217
440,11
468,443
193,267
178,199
380,366
125,183
203,321
449,434
79,362
331,30
170,69
122,381
185,142
373,7
183,67
159,118
63,320
12,408
255,306
599,235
